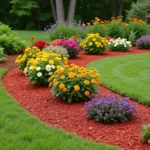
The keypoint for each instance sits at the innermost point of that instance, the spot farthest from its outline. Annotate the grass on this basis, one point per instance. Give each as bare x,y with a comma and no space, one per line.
126,75
39,35
21,131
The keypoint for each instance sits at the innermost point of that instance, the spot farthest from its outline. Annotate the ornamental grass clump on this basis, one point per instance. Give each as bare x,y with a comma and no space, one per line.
94,44
72,46
29,52
42,67
143,42
57,49
119,45
73,83
109,109
145,133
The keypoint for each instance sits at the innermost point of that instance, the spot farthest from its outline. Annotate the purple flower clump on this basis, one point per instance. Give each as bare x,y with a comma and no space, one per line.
72,46
143,42
109,108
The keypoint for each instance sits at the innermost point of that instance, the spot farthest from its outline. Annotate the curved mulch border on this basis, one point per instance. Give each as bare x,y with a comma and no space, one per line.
40,102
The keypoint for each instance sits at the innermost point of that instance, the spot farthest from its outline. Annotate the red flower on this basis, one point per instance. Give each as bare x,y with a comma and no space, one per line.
41,44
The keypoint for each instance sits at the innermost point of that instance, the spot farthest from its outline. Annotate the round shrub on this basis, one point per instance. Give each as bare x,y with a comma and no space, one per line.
94,44
2,55
73,83
72,46
39,69
143,42
109,108
120,45
57,49
30,52
41,44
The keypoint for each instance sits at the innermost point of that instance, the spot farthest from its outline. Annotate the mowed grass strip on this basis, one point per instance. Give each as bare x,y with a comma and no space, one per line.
39,35
126,75
21,131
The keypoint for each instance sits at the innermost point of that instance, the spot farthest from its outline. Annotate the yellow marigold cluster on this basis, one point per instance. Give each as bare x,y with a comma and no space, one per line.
94,43
72,81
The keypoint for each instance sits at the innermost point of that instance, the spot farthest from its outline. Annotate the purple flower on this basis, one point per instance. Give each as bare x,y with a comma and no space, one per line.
109,108
143,42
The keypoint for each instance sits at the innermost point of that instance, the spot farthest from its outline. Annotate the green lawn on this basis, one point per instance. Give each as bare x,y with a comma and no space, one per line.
39,35
21,131
127,75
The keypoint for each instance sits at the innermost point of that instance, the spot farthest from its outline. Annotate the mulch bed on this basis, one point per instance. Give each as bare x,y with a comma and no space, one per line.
40,102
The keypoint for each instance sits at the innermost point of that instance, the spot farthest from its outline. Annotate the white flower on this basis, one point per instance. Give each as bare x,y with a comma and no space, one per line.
48,68
38,68
39,74
50,73
53,66
116,45
30,67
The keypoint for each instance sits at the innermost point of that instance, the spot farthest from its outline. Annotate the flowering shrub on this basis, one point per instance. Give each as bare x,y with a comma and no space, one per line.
94,44
145,132
57,49
30,52
121,45
73,83
143,42
72,46
41,44
39,69
108,108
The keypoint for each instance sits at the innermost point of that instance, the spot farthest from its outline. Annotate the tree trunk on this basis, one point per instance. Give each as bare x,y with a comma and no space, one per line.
121,8
53,9
60,11
115,8
71,12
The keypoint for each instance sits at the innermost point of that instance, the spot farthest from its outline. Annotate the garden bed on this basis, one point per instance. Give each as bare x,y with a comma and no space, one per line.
71,117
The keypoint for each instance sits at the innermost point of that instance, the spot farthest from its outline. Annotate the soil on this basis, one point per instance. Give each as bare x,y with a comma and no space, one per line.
40,102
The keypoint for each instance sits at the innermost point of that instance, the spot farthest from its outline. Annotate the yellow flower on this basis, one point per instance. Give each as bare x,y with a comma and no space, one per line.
86,82
94,81
90,43
76,88
62,77
64,89
94,39
91,49
71,75
87,93
61,86
51,62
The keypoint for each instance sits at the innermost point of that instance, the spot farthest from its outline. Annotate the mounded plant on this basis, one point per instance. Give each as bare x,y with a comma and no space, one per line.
29,52
109,109
73,83
42,67
143,42
120,45
72,46
145,132
57,49
2,55
94,44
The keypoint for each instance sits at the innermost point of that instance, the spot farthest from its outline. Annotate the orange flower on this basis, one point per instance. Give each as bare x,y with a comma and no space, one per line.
76,88
87,93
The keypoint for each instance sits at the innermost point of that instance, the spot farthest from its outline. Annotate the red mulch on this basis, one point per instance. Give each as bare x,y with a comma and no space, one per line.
71,117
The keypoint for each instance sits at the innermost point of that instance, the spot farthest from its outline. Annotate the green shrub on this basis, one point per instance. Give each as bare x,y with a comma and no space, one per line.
2,55
62,31
11,44
138,26
5,29
140,10
116,28
145,132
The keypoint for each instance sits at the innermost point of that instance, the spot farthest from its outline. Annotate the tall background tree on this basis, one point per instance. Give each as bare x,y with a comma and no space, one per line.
36,14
